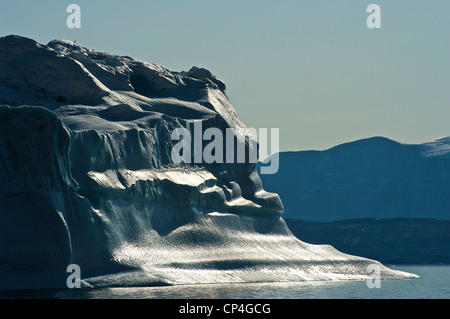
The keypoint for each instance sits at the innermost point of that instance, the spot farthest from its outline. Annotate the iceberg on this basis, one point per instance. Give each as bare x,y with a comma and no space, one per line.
87,179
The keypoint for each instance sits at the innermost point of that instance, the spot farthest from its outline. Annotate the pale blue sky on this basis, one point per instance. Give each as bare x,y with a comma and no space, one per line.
311,68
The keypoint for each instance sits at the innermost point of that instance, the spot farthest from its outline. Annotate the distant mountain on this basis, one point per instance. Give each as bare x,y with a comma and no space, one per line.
369,178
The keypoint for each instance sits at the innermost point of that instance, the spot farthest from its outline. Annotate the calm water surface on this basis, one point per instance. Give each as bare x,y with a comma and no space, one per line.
433,284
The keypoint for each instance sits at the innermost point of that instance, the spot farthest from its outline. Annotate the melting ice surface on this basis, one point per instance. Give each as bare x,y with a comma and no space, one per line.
87,179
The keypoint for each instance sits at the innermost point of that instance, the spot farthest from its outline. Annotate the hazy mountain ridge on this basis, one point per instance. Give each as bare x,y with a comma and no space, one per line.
374,177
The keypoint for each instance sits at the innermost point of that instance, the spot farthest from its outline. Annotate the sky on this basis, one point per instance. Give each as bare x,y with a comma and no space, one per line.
311,68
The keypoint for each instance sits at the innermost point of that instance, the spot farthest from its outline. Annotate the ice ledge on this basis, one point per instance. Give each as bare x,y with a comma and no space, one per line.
189,187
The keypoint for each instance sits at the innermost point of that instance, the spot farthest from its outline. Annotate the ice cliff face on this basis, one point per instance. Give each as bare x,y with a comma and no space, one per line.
87,179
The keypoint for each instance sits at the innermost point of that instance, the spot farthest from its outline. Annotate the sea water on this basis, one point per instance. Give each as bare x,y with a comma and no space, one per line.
434,283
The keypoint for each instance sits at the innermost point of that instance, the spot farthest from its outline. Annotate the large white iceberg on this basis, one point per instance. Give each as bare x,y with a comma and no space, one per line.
87,179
